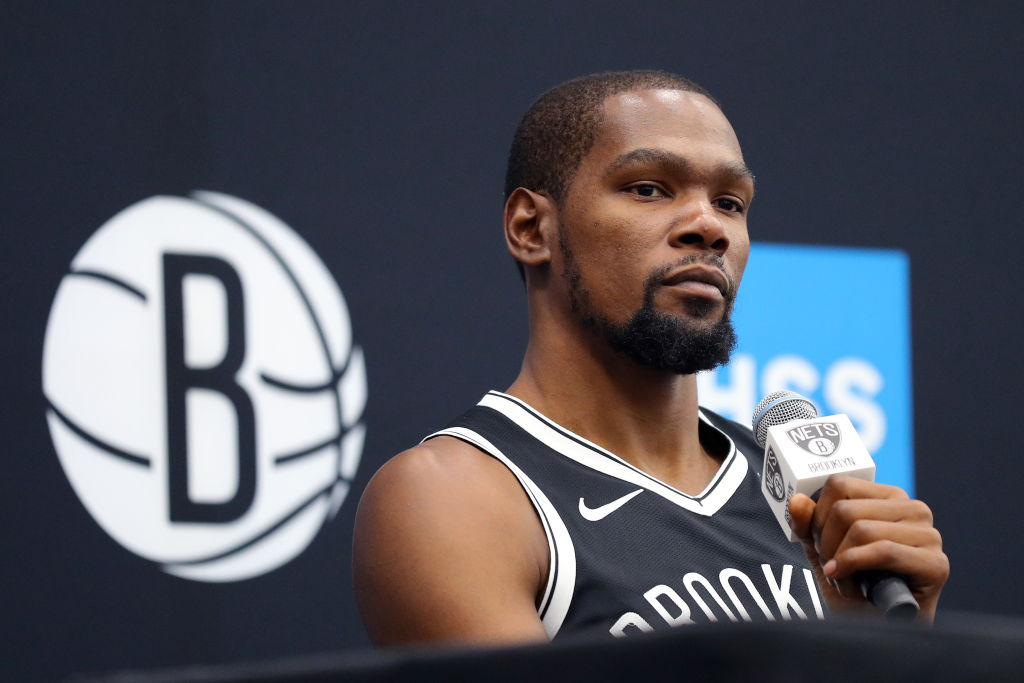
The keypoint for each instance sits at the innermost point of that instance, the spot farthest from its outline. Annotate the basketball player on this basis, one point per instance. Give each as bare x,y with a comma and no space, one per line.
593,495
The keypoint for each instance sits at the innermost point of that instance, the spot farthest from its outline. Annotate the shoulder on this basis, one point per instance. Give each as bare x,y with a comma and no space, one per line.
442,482
741,435
439,526
725,423
441,469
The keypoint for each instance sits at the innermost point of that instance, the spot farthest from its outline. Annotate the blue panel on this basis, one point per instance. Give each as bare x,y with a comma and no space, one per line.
833,324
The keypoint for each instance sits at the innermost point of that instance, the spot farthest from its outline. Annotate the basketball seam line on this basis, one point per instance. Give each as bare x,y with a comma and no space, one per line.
110,450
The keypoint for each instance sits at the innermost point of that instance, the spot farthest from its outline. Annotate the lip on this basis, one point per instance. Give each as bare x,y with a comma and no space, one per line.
695,280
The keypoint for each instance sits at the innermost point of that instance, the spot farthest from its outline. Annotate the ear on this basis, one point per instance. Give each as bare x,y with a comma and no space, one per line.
530,224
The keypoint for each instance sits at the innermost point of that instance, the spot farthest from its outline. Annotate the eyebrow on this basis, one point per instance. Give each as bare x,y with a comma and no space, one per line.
735,170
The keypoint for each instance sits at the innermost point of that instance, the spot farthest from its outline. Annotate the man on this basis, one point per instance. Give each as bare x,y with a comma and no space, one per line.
594,494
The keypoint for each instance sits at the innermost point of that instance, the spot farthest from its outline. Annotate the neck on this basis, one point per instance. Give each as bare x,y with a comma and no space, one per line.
646,417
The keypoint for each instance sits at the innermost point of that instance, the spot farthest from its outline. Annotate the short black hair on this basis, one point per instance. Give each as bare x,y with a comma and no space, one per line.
558,130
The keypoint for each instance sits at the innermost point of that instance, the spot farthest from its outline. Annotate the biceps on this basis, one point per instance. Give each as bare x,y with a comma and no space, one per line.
429,572
418,606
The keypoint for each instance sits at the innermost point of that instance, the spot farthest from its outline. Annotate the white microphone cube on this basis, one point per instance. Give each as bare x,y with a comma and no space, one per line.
801,454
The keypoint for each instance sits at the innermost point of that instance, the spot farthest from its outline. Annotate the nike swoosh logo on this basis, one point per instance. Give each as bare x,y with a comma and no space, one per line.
598,513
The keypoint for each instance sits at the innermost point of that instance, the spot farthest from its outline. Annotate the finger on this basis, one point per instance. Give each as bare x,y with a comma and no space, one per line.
924,567
801,511
840,487
867,531
845,514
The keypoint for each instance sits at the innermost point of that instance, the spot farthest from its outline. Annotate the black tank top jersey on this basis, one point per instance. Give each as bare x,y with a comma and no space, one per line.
629,553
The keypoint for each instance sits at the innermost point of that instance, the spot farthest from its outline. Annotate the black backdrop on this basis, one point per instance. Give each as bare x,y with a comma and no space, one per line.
378,131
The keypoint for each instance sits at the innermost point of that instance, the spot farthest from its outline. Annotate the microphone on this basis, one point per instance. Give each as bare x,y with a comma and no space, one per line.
801,451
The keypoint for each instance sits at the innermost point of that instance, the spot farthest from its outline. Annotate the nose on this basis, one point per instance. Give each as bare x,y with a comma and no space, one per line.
700,225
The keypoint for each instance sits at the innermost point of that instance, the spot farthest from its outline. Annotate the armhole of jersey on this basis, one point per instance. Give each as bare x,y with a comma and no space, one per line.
562,563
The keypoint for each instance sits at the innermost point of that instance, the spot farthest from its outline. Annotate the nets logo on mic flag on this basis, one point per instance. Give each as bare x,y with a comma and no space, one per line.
820,439
204,394
773,479
833,324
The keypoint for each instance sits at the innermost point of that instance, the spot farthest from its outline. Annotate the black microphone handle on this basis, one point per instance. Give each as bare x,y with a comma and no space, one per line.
888,591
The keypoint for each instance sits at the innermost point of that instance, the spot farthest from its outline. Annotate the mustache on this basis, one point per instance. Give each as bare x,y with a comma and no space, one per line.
711,260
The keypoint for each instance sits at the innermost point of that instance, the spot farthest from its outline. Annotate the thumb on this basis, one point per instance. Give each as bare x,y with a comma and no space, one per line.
801,511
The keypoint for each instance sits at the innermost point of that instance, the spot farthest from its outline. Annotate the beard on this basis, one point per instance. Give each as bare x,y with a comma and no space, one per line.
655,339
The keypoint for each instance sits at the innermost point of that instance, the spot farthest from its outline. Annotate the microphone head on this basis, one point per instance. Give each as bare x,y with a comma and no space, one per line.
780,407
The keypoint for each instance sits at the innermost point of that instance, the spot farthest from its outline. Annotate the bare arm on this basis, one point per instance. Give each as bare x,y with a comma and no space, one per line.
447,547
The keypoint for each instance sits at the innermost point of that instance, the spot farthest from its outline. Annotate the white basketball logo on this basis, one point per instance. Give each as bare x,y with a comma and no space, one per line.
205,398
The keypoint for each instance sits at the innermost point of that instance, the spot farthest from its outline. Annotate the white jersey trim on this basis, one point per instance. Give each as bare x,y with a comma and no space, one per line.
562,554
573,446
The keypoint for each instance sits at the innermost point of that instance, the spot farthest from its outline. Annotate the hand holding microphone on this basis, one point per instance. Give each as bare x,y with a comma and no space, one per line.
864,540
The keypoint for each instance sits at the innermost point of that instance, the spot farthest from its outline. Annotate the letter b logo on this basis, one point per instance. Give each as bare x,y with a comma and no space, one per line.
205,398
183,378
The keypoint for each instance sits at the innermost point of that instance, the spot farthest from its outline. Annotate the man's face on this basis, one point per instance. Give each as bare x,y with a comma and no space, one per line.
653,230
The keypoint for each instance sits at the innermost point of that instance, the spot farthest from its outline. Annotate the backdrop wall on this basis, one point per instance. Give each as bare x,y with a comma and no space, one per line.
378,133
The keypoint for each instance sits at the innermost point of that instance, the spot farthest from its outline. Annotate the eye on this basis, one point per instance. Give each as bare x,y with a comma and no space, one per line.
646,190
729,205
